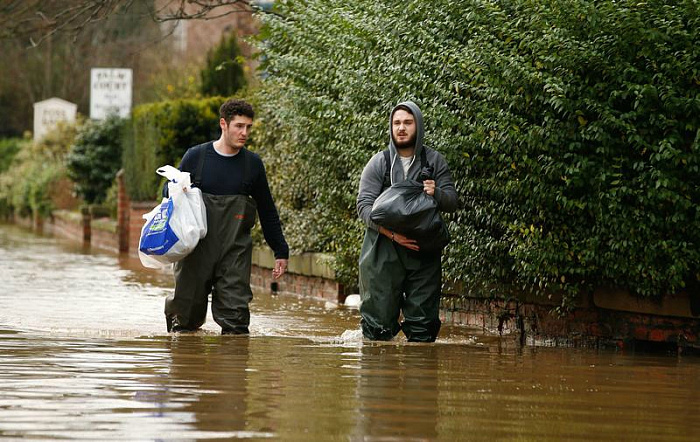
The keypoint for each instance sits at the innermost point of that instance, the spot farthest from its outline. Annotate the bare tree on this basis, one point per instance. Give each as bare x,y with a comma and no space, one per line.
35,21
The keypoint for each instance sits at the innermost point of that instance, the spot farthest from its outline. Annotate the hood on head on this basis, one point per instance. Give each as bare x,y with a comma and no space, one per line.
396,172
418,116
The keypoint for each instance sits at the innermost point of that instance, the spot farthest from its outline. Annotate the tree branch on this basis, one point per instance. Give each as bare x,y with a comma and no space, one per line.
34,21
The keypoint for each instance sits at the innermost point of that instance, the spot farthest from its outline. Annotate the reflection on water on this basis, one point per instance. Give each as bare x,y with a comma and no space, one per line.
84,355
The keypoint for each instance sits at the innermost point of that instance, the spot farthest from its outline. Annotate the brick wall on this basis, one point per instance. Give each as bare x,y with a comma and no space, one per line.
135,223
302,285
23,221
586,325
68,225
192,39
104,235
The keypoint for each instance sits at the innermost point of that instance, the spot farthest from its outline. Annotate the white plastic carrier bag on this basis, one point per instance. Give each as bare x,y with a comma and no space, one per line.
174,227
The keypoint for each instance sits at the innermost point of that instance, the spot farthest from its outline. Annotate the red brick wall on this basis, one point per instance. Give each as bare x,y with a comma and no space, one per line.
202,35
67,228
588,325
104,239
309,286
23,221
136,221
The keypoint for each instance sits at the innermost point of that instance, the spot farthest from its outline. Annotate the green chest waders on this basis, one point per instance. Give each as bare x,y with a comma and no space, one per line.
220,265
394,279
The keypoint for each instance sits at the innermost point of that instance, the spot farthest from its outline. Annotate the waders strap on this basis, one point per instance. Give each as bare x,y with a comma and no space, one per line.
202,148
246,168
387,160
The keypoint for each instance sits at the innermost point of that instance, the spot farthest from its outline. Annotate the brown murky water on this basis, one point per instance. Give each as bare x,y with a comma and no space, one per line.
83,355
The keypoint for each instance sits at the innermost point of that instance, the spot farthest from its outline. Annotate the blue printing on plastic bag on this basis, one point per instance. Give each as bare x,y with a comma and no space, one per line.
158,237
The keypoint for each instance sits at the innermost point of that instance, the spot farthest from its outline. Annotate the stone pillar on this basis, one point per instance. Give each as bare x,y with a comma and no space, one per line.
123,209
37,222
87,230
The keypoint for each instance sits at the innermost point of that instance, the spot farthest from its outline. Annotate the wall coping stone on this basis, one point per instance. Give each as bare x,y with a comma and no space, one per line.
68,216
104,224
307,264
144,205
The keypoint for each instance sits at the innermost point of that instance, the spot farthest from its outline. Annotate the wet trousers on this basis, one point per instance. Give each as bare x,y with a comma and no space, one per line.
394,279
220,265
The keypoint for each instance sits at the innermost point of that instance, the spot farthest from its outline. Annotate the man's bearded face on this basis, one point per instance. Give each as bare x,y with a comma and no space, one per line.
403,129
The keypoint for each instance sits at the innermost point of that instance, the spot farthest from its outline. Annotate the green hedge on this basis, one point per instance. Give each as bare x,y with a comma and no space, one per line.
159,134
571,128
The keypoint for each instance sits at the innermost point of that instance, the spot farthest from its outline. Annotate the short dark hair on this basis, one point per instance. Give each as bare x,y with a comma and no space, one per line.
233,107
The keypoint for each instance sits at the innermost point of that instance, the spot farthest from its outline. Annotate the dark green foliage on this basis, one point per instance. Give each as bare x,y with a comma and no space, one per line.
95,158
571,127
223,74
159,134
8,149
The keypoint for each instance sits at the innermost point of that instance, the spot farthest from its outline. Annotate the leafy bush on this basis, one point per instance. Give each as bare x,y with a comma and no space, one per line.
159,134
8,149
572,131
289,184
95,158
33,182
223,74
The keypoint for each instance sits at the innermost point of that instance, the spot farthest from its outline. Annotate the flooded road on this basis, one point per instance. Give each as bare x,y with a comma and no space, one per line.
84,355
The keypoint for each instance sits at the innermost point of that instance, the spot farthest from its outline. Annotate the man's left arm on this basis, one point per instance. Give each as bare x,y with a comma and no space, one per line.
270,223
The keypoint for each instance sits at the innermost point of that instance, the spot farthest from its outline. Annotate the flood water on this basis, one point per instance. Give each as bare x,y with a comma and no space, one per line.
84,355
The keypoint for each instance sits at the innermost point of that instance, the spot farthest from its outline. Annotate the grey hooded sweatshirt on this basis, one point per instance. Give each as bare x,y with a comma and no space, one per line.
372,180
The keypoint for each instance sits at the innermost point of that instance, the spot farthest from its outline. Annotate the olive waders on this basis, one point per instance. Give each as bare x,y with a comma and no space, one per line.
394,279
220,265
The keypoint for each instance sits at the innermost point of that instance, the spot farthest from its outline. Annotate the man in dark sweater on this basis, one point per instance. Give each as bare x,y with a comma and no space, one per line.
234,187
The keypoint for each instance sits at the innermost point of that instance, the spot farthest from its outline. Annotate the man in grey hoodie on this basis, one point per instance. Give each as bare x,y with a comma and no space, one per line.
395,275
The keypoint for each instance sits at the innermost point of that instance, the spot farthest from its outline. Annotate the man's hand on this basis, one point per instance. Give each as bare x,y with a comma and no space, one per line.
400,239
406,242
429,187
280,268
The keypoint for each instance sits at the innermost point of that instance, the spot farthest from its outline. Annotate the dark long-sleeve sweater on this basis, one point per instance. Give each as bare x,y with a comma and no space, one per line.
223,175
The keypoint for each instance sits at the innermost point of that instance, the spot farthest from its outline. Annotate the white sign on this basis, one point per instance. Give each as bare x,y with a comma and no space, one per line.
110,92
49,112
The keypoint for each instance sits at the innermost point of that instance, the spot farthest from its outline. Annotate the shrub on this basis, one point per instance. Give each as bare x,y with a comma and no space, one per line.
223,74
95,158
8,149
571,128
159,134
38,169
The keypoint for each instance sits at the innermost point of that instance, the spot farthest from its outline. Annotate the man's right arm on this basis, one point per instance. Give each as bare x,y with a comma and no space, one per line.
371,183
